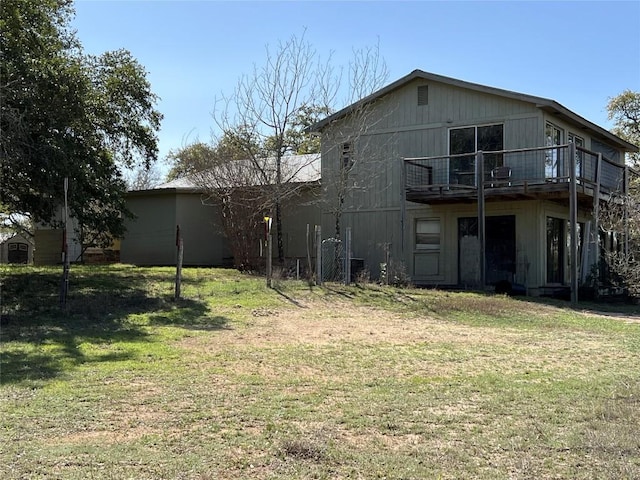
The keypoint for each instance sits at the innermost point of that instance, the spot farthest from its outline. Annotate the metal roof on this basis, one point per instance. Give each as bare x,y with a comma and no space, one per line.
296,169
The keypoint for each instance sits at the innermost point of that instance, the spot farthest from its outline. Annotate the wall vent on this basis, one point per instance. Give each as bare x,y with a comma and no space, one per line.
423,95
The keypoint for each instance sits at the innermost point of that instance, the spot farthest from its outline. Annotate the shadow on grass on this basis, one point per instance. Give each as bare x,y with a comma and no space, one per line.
189,314
289,298
40,341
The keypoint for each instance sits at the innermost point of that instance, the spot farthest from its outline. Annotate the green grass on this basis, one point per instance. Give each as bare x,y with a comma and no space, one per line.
239,381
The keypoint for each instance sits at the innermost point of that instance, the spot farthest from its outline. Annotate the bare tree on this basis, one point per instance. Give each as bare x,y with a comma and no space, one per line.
265,105
620,222
143,177
252,171
242,187
292,84
620,216
358,157
232,185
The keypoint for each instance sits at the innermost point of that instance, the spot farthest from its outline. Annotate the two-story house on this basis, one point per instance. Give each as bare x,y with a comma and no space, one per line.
469,185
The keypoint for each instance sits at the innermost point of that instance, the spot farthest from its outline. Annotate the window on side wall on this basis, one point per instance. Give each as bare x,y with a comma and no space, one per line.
427,234
346,156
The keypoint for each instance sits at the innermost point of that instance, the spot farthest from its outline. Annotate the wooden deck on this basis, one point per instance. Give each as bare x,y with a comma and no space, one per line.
537,173
552,190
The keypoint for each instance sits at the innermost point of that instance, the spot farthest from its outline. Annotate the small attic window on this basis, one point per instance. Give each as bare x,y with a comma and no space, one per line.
347,160
423,95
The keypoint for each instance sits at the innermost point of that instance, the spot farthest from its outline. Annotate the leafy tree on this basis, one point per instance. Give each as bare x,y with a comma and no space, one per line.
65,114
624,110
199,156
188,160
297,140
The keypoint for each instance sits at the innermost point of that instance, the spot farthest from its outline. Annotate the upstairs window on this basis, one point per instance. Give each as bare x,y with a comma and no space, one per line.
553,162
579,142
488,138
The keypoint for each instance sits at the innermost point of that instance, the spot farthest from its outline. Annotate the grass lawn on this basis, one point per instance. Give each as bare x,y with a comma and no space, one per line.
239,381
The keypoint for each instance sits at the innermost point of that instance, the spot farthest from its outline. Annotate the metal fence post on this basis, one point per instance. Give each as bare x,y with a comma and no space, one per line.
269,260
347,256
318,255
481,215
573,222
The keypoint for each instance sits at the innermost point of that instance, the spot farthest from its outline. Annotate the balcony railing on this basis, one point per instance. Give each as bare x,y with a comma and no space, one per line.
533,171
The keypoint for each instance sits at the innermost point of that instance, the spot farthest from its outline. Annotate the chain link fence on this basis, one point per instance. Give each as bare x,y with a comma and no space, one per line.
333,260
336,263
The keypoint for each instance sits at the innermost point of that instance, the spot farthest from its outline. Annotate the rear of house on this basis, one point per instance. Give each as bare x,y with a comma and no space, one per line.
406,180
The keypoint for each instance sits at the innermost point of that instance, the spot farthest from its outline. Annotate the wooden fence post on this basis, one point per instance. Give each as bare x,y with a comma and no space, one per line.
180,246
347,256
269,258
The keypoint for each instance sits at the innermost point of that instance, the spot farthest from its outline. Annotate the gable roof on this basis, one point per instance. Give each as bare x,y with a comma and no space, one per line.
545,104
7,236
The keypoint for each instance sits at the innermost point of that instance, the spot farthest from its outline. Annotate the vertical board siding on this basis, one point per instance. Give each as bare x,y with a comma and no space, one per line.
204,240
150,236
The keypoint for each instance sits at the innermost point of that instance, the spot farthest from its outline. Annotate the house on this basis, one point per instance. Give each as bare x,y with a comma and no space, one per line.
150,238
467,185
16,248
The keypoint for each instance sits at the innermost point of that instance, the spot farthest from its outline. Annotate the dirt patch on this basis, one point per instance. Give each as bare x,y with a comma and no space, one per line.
318,322
414,346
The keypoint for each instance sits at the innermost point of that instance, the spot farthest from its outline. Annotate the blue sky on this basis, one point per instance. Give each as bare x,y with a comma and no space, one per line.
577,53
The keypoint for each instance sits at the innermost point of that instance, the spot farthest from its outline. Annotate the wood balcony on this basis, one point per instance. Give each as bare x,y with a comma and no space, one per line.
522,174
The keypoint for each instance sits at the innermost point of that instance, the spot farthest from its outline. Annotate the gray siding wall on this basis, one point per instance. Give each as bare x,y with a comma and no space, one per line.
151,236
372,232
297,213
526,215
203,237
